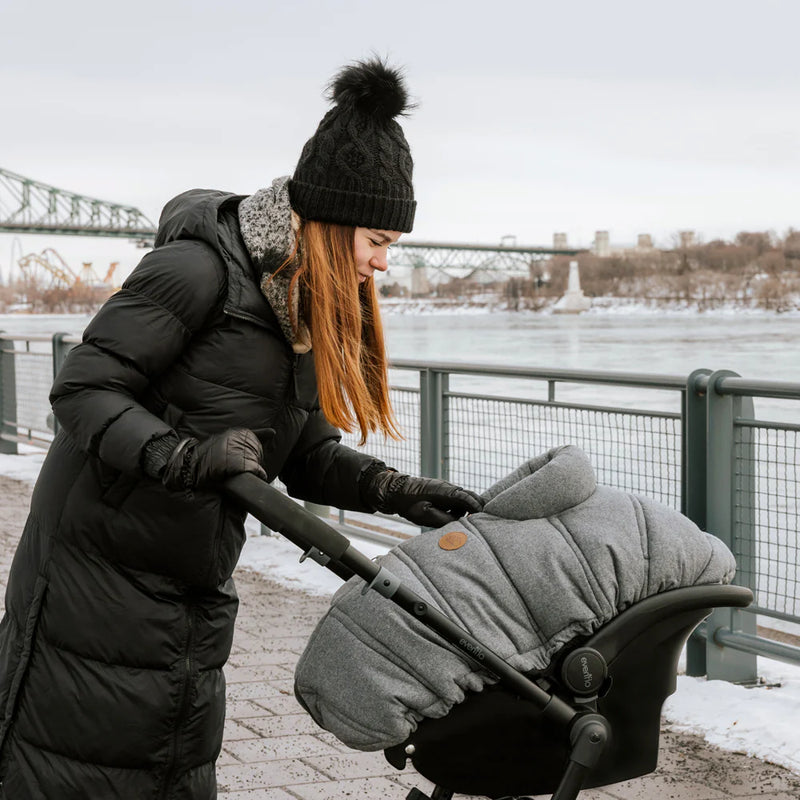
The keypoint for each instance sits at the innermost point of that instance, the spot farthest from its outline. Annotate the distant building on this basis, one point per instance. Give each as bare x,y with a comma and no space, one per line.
602,247
602,244
420,285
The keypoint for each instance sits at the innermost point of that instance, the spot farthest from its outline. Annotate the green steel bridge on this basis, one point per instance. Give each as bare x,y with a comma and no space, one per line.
33,207
29,206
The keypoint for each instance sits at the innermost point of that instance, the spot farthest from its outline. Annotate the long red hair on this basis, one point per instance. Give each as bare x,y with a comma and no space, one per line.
344,320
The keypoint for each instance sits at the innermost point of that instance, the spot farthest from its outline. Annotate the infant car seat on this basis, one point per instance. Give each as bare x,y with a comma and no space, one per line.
590,719
496,744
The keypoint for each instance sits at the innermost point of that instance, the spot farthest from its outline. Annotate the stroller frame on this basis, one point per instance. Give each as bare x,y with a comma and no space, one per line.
566,703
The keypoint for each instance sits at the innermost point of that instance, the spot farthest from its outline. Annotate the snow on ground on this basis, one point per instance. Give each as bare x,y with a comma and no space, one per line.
759,722
24,467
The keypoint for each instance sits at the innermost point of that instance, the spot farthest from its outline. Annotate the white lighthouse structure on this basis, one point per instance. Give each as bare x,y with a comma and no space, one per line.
574,301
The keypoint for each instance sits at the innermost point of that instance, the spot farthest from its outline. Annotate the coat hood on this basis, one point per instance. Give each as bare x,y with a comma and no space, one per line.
195,214
210,216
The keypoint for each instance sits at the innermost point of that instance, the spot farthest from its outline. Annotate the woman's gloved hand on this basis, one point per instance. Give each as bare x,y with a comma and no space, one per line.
428,502
198,464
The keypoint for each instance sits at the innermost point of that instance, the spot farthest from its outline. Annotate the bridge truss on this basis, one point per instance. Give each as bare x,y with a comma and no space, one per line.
28,206
460,260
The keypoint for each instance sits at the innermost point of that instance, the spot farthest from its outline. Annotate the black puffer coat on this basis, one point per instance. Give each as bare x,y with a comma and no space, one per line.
120,606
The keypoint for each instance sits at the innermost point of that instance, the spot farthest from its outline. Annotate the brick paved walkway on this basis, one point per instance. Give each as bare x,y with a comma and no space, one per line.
274,751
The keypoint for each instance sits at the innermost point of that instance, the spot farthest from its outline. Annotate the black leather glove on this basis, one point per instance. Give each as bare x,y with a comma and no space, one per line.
198,464
429,502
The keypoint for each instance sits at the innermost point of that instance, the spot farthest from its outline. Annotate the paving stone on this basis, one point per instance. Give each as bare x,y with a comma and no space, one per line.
770,796
236,731
266,775
283,725
590,794
285,658
340,747
256,690
280,704
259,672
664,787
357,765
358,789
225,758
258,794
277,747
743,780
247,642
242,709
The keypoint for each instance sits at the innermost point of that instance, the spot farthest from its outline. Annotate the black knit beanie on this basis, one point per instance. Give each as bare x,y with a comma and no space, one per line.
356,169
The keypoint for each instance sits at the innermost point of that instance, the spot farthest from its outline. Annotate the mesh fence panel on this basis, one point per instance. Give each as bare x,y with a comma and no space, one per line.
767,515
403,455
27,375
34,377
8,411
488,438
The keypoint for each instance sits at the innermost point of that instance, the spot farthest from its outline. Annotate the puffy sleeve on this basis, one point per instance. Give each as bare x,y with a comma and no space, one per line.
322,470
137,334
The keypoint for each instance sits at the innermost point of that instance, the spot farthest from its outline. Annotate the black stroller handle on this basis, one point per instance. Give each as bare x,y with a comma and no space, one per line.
328,547
280,513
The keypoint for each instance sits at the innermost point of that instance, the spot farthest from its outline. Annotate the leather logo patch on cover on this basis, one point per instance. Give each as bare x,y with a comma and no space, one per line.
453,540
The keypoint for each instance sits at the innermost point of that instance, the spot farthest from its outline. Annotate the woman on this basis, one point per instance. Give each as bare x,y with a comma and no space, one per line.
239,344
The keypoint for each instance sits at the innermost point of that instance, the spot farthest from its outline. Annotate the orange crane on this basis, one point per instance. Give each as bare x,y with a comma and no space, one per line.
109,275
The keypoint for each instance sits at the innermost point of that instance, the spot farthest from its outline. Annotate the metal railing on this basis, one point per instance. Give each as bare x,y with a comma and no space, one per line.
694,443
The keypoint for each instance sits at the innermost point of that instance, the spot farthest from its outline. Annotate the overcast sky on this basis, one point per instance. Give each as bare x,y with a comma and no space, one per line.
626,115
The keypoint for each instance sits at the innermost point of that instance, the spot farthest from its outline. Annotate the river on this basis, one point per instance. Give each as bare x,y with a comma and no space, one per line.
757,345
754,344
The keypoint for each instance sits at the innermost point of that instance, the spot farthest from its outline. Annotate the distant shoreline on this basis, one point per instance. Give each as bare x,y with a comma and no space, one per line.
600,305
492,304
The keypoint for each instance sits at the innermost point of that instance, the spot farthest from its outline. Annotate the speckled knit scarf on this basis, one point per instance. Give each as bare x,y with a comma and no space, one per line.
269,228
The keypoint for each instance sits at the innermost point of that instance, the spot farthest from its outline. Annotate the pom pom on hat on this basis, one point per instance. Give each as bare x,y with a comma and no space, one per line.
371,87
357,169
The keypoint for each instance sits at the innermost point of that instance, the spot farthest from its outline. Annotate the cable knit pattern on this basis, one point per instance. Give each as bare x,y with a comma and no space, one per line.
268,227
357,168
266,222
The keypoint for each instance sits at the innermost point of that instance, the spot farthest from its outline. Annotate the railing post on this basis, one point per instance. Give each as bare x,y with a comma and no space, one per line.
444,428
315,508
721,463
693,476
60,350
8,399
432,386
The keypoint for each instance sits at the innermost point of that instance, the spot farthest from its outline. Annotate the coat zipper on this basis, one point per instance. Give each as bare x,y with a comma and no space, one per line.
186,667
291,385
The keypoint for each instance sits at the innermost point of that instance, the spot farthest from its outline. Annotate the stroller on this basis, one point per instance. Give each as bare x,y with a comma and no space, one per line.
591,718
